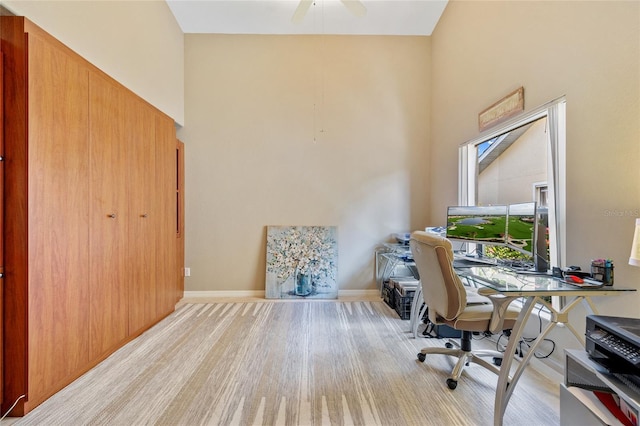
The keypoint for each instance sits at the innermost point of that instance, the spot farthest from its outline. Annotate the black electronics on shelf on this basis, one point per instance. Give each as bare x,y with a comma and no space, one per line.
614,343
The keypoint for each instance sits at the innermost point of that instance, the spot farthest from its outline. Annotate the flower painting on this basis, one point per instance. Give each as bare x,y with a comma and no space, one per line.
302,262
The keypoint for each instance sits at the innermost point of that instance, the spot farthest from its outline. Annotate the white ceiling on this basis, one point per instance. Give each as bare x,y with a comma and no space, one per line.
383,17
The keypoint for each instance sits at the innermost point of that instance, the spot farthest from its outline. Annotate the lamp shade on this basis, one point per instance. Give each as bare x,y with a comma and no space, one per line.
634,259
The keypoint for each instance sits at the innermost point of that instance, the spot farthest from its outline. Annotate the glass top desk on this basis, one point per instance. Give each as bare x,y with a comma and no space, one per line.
534,289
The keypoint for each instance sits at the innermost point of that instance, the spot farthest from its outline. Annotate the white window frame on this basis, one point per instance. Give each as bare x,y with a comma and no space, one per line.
555,111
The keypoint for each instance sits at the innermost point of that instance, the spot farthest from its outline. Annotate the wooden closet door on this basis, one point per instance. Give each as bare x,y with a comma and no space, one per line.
108,110
58,221
1,224
180,221
143,216
167,198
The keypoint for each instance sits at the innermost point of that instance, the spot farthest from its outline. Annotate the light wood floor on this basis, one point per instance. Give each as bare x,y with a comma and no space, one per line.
220,361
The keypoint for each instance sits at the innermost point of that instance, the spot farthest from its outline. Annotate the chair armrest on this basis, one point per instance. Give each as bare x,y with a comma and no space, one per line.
500,305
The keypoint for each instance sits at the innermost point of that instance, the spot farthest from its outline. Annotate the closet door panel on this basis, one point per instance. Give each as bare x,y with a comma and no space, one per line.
108,111
167,198
89,215
58,156
1,224
15,294
180,221
143,217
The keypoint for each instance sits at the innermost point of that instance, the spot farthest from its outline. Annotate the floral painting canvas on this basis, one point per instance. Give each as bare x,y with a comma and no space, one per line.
302,262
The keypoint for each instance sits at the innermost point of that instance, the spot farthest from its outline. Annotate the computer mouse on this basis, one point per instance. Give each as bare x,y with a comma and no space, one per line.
574,279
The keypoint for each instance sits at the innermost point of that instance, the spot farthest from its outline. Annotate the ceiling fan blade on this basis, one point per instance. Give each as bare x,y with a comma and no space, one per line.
301,11
356,7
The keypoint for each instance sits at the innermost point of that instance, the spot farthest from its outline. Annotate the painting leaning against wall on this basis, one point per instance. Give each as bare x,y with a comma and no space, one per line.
302,262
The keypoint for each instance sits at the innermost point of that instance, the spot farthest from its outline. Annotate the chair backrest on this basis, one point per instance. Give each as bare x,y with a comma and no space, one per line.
442,289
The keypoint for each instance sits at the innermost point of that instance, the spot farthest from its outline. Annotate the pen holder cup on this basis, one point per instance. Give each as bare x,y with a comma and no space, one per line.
602,273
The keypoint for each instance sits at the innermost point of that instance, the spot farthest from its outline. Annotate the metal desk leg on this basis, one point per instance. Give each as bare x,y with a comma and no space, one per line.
416,312
387,270
503,378
505,387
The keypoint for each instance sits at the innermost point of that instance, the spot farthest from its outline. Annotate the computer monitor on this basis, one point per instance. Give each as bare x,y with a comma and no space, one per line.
477,224
541,252
527,226
521,227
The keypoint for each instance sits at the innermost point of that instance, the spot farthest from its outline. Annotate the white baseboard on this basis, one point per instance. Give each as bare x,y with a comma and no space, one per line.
365,294
223,293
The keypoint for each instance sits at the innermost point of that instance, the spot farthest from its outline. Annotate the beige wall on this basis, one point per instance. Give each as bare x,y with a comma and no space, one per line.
301,130
249,102
588,51
139,43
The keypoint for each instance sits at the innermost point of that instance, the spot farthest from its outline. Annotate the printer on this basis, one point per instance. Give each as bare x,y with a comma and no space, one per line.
614,343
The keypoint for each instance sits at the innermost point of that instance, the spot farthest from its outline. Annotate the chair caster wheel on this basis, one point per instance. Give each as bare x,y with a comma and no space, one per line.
448,345
452,384
497,361
421,357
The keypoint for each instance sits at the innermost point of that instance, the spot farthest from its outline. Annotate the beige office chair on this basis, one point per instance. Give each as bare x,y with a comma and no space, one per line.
446,298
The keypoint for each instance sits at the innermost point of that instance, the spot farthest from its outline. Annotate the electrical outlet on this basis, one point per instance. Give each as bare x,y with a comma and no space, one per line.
187,272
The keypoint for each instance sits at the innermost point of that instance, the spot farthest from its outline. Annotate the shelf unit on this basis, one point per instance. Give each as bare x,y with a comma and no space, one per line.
392,260
579,405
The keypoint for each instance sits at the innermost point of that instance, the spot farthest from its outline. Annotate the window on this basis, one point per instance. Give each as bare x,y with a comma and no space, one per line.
522,160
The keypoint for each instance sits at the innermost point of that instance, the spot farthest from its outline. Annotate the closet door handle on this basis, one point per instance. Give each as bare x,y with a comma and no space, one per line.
144,215
111,216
